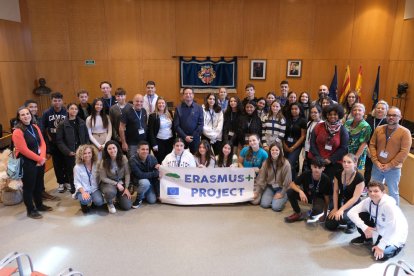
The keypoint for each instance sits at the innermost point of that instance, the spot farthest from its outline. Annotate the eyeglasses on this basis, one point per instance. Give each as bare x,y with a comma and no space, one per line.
393,115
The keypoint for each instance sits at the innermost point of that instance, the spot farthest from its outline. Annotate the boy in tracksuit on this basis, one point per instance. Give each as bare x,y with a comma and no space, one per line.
50,120
380,222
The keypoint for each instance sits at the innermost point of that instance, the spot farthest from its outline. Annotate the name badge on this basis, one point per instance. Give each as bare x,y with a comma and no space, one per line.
231,133
290,139
383,154
141,131
328,147
39,151
53,130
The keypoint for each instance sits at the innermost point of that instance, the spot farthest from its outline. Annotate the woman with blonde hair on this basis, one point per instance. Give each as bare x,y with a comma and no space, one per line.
86,178
160,133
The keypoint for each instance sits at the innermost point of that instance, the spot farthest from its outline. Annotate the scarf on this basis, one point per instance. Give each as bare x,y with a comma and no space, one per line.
333,128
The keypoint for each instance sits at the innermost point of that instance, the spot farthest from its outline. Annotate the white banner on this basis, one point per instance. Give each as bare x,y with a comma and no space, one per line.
193,186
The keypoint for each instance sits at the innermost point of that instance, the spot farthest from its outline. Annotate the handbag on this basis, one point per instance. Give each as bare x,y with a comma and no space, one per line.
14,166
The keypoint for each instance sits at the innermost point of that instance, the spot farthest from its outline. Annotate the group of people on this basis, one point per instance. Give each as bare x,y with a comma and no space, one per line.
302,150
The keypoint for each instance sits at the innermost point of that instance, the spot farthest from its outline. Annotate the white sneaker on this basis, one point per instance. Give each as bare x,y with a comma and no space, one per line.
314,218
61,188
111,208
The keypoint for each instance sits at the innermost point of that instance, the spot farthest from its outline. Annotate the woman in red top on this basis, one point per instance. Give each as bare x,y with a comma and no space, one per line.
31,148
329,140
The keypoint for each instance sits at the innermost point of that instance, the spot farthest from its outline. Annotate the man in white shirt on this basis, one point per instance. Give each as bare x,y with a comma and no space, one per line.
150,97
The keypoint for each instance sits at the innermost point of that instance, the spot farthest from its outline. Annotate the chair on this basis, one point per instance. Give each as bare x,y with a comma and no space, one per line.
401,264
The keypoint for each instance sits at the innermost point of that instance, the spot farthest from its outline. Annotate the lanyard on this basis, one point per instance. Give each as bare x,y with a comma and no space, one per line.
274,169
150,99
179,160
212,117
33,134
120,109
249,123
376,213
388,137
139,117
317,185
375,126
89,173
117,176
344,184
291,127
110,102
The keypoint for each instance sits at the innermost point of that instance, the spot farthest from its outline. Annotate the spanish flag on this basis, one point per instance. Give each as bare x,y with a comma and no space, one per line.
358,84
346,85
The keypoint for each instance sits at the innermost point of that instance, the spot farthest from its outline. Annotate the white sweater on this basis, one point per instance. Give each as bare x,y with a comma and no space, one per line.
213,125
187,160
98,128
391,222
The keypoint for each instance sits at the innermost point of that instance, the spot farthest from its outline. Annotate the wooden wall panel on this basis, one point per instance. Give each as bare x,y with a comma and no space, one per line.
58,75
49,29
121,23
87,30
128,75
333,29
260,29
226,18
158,35
192,28
373,27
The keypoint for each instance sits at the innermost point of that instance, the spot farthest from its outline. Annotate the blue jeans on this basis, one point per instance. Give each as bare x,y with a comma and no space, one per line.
268,200
293,158
96,198
111,192
392,179
146,190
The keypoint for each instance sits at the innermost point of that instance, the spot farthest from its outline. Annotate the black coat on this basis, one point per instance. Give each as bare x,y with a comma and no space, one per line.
249,124
65,136
154,127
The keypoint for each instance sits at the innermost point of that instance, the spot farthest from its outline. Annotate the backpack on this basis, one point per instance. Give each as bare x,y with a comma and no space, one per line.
14,166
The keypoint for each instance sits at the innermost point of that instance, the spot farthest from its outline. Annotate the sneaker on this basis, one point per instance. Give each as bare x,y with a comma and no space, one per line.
294,217
44,208
68,187
85,209
61,188
314,218
137,203
360,241
350,229
34,215
111,208
47,196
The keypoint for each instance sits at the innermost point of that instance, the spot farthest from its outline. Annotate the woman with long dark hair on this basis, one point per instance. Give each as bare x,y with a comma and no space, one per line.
226,158
179,157
99,126
114,173
351,99
231,120
204,156
213,122
31,148
69,136
305,102
273,180
160,132
249,124
294,136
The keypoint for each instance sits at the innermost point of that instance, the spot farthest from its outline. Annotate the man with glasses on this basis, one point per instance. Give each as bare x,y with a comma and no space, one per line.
389,147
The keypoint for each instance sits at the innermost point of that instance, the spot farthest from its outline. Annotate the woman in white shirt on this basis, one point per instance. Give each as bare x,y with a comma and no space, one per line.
99,126
226,158
179,157
213,122
86,177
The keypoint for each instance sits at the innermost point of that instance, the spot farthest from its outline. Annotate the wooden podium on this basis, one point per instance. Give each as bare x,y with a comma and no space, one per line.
407,179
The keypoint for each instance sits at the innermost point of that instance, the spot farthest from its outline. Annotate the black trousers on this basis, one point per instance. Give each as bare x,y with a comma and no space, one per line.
164,147
68,167
33,183
317,202
58,160
368,169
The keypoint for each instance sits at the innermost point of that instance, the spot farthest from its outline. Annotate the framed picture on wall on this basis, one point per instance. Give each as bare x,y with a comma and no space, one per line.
294,68
258,69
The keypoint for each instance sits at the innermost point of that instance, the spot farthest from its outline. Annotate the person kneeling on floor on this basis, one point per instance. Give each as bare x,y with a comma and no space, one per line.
316,189
144,170
379,219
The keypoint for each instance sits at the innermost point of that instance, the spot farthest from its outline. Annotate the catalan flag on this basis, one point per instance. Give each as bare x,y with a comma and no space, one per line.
346,85
358,84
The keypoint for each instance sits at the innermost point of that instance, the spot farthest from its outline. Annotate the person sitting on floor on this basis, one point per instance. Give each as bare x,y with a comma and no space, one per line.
380,222
274,179
144,171
316,189
86,177
179,157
